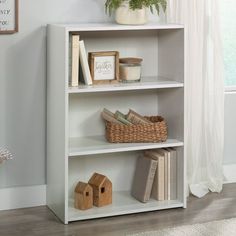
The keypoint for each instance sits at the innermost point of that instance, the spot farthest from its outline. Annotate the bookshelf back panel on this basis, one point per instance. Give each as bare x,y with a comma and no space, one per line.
171,54
171,106
119,168
162,51
85,110
128,44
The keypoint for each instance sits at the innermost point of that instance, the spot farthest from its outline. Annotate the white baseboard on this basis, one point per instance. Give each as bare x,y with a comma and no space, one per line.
229,173
22,197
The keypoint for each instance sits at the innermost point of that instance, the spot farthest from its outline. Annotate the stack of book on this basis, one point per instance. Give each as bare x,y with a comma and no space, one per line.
156,175
132,118
79,71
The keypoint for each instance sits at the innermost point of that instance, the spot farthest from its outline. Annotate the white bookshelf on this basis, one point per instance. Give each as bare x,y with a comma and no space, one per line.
76,146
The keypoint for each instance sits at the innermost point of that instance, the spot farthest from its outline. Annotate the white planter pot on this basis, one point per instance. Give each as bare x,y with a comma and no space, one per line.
125,16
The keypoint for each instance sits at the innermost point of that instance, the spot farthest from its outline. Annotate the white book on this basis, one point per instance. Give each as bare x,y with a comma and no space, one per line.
74,61
166,155
173,173
84,64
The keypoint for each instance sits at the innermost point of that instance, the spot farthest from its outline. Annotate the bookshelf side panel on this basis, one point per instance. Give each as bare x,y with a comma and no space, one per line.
57,106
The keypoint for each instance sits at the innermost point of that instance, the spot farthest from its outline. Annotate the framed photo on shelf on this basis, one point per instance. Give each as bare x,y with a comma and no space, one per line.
104,67
9,16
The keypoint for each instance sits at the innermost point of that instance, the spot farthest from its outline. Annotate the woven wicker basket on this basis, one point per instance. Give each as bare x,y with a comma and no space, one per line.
142,133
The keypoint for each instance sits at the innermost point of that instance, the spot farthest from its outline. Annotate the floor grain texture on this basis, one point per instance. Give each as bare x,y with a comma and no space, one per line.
40,221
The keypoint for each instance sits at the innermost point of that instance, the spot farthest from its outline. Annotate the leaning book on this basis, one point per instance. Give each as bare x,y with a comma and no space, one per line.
143,178
84,64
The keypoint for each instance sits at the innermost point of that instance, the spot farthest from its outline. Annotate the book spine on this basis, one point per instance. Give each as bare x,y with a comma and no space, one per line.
161,179
173,176
151,155
150,180
166,177
154,192
70,60
75,61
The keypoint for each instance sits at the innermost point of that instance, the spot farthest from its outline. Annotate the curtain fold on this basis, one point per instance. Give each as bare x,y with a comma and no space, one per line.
204,92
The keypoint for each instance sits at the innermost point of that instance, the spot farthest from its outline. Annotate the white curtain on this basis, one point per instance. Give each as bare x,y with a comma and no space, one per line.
204,92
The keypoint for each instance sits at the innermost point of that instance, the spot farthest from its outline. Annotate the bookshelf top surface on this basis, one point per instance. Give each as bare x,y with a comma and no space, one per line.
113,27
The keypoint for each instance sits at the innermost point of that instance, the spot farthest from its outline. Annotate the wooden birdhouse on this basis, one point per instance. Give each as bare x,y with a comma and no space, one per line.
83,196
102,190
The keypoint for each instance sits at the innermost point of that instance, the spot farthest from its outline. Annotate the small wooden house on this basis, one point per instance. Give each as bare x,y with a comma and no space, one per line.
102,190
83,196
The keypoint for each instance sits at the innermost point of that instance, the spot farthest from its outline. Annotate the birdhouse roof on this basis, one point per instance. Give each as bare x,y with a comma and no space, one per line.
97,179
81,187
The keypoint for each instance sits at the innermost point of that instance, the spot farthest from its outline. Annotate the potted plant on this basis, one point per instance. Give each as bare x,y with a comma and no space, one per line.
133,12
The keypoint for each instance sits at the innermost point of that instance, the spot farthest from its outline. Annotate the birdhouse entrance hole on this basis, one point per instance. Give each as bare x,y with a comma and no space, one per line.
87,194
102,190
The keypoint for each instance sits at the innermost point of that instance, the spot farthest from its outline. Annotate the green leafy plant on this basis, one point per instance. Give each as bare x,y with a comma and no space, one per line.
153,5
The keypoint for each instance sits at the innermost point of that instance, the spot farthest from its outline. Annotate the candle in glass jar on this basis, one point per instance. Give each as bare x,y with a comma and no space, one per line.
130,69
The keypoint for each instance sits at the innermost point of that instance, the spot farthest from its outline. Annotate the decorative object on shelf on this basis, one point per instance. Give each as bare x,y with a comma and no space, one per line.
5,155
130,69
153,132
83,196
102,190
104,67
8,16
133,12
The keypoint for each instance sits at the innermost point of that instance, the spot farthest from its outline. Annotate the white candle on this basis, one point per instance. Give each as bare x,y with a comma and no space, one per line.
130,69
130,73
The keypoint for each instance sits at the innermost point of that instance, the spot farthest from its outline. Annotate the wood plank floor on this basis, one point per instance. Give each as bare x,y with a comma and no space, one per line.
40,221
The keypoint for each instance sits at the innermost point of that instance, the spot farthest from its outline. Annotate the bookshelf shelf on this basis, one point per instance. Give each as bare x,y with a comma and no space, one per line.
76,146
123,203
98,145
145,84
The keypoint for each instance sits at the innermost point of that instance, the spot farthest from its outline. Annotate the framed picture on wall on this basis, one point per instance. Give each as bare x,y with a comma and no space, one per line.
9,16
104,67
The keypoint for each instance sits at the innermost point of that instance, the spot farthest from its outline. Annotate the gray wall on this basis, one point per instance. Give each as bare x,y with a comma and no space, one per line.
23,84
